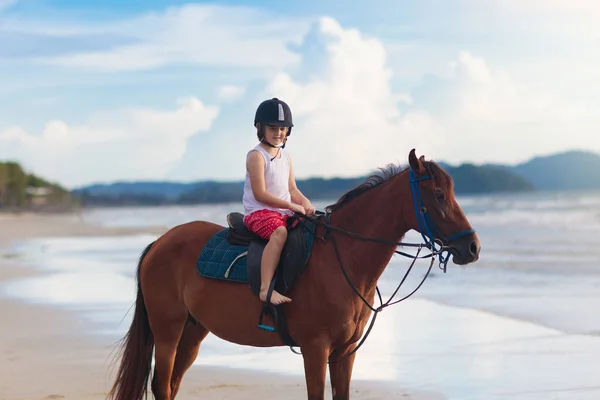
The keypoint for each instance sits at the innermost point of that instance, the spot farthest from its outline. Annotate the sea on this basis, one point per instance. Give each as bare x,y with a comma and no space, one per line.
521,323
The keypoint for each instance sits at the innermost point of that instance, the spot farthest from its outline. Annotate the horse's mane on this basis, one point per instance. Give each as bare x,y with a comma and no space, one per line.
391,170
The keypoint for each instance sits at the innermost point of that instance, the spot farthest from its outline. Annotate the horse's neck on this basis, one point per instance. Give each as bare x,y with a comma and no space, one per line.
377,213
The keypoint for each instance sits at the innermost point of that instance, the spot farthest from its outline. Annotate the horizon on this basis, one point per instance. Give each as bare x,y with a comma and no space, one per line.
159,91
363,175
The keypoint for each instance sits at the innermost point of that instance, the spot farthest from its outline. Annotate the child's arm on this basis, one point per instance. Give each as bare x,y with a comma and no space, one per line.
255,164
297,196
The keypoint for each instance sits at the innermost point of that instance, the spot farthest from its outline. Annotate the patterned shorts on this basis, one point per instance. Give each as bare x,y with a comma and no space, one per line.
264,222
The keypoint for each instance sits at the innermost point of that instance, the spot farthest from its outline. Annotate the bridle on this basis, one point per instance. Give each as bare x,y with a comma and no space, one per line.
429,232
434,241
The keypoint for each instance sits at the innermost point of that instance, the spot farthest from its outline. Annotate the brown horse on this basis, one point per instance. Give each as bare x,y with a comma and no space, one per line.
176,307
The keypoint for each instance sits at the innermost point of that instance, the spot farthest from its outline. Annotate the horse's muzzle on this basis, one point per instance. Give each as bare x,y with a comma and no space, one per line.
465,250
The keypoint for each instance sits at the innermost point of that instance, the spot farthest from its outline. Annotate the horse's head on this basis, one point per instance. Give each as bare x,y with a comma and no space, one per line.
437,215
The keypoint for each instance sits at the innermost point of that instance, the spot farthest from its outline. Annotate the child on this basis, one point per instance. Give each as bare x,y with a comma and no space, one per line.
270,192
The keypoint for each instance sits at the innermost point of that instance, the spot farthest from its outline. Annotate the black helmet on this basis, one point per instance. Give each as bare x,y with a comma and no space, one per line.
274,112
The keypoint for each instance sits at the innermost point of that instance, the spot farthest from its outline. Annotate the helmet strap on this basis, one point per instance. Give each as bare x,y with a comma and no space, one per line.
263,140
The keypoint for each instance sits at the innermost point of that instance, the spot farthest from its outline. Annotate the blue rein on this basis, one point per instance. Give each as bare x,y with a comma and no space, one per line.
427,227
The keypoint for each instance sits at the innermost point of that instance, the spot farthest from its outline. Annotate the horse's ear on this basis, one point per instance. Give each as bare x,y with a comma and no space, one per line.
415,163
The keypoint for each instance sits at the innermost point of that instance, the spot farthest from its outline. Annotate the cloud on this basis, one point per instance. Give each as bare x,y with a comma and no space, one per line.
193,34
349,120
120,144
489,117
231,92
349,116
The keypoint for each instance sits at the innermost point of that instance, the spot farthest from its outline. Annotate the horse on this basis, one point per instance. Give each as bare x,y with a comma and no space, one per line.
176,308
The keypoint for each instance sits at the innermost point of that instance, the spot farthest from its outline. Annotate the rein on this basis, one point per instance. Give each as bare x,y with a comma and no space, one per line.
426,227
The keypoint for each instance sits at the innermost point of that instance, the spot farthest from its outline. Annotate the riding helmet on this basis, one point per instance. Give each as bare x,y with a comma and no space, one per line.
274,112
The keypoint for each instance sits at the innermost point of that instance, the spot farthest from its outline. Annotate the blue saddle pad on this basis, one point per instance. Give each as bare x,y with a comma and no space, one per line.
220,259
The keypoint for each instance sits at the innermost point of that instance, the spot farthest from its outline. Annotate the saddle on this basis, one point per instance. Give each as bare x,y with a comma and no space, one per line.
293,259
235,254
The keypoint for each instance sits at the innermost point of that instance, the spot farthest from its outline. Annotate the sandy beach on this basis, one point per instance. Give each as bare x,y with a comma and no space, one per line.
44,353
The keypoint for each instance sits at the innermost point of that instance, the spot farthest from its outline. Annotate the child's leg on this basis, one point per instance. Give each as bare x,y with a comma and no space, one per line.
271,226
270,259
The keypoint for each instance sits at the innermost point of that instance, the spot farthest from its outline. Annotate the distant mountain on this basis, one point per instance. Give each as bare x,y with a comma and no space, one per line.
168,190
472,179
564,171
467,178
572,170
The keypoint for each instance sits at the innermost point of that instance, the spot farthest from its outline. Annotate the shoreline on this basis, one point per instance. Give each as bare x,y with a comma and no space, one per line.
45,354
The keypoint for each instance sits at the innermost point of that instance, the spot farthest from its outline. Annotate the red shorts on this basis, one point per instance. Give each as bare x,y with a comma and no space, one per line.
264,222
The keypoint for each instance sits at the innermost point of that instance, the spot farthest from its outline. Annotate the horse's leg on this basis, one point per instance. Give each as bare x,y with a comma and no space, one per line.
315,371
340,372
167,332
189,344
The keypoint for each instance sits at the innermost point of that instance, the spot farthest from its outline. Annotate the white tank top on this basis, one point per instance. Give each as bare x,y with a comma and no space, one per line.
277,175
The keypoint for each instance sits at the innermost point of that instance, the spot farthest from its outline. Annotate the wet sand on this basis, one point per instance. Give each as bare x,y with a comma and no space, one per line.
44,353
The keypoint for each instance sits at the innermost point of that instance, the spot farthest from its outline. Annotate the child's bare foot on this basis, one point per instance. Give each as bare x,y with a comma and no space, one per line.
276,298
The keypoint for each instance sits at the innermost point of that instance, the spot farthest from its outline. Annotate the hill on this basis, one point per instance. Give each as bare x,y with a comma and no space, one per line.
572,170
471,179
468,179
134,193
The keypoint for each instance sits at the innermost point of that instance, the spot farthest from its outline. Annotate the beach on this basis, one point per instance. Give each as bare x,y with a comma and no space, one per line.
521,323
46,352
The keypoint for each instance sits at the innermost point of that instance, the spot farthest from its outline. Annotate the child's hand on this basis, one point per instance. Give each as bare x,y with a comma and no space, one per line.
297,208
310,209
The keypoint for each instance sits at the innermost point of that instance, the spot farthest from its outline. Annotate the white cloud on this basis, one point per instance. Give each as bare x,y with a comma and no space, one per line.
113,145
192,34
349,120
231,92
489,117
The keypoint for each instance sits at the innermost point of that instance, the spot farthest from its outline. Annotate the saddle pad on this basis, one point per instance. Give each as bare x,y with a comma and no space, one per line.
217,257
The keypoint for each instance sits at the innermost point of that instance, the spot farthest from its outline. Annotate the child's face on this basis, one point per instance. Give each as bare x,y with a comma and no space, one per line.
275,134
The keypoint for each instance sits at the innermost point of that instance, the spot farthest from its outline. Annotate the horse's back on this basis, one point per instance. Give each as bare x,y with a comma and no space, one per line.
191,230
172,259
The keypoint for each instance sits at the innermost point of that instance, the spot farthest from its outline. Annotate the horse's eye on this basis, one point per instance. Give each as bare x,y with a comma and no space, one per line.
440,195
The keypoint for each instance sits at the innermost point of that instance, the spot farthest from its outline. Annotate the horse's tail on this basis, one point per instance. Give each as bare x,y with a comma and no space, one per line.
136,350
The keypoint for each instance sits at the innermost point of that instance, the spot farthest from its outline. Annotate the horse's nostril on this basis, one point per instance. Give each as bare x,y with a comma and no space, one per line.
473,248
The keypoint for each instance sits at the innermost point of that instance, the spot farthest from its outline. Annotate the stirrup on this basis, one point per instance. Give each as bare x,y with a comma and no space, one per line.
263,326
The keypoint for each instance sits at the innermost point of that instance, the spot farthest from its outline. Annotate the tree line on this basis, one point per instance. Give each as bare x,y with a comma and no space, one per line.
20,190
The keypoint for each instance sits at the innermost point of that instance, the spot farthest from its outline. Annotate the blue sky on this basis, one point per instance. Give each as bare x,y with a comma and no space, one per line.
167,89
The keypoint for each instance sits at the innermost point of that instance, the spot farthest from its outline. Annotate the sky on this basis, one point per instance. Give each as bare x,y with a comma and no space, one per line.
167,90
